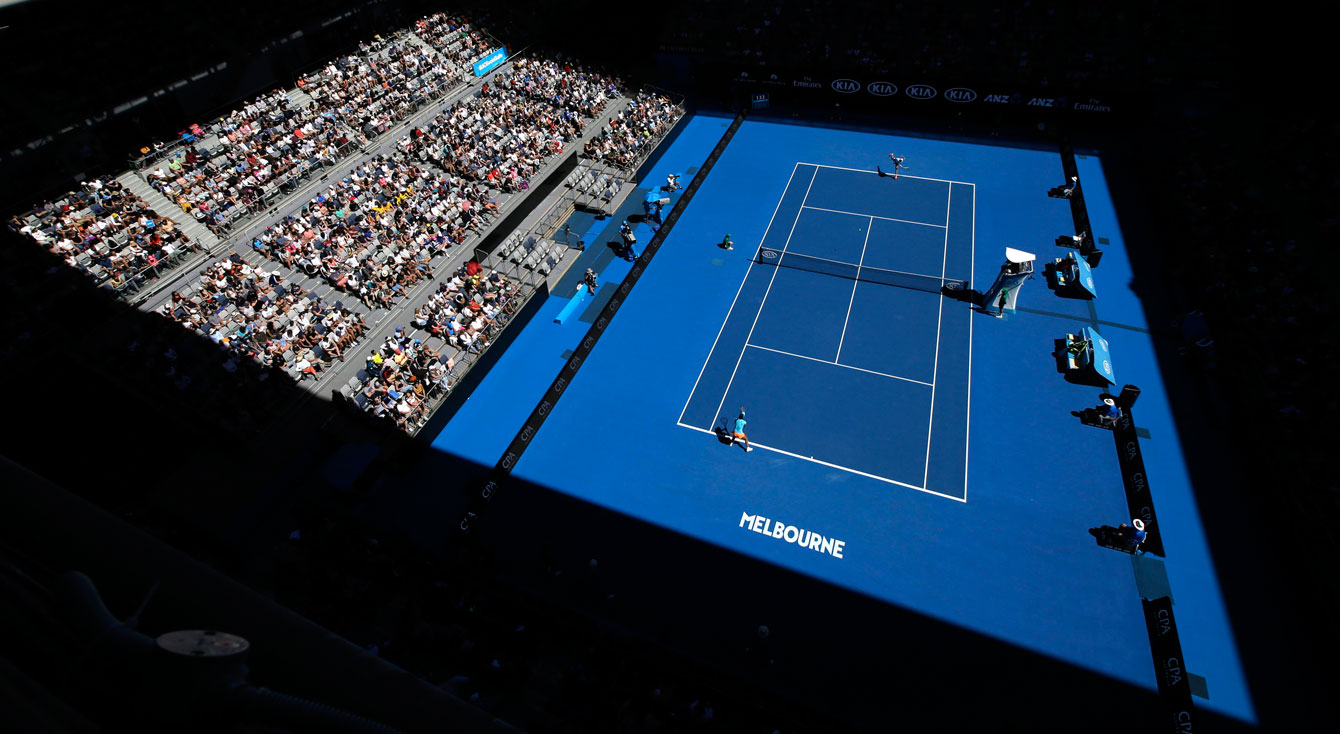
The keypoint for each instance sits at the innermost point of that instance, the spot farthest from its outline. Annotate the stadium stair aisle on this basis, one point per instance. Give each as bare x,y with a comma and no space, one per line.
298,99
198,232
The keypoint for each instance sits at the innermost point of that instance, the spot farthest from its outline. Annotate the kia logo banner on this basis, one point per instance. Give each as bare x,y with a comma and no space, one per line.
920,91
897,90
882,89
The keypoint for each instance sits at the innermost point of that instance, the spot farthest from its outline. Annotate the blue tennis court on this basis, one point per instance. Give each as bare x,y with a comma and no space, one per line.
936,443
850,372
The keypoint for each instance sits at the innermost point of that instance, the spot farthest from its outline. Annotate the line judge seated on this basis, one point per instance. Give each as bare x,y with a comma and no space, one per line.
1125,538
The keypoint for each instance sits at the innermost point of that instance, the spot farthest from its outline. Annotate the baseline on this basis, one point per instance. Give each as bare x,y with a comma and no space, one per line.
857,420
831,465
901,175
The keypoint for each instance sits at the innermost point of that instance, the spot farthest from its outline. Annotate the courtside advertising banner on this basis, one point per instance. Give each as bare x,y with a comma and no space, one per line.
490,61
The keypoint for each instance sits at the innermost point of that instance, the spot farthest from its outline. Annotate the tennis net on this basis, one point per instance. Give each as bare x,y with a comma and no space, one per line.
850,271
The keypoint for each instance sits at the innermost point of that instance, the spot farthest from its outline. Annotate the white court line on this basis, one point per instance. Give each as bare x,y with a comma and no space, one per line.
837,364
944,262
901,175
854,283
967,429
737,295
972,268
887,219
765,295
833,466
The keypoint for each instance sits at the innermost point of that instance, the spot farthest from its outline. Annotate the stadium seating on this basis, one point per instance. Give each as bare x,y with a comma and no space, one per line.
373,234
404,378
241,163
254,314
628,138
109,233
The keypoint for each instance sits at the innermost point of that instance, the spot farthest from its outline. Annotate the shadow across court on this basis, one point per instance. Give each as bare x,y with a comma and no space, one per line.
858,659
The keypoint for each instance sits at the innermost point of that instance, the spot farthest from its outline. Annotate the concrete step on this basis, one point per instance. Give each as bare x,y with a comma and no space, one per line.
298,99
161,204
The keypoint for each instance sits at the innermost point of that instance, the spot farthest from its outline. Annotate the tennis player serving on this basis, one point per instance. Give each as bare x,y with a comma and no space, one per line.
897,164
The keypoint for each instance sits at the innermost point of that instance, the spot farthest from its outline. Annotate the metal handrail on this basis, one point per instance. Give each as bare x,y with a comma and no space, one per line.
675,97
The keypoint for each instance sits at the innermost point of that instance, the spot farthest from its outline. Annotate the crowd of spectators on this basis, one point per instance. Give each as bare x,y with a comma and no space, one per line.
627,137
234,166
454,37
252,314
571,90
107,232
374,233
402,376
526,115
464,307
259,148
370,91
204,386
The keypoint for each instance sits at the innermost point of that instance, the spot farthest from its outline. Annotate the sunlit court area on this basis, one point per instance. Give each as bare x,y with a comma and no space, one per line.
450,368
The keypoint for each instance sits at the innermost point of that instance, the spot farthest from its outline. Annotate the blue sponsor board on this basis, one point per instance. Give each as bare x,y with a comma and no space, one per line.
1085,276
1102,357
491,61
